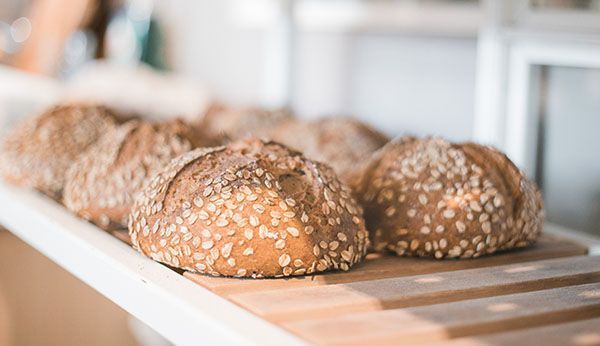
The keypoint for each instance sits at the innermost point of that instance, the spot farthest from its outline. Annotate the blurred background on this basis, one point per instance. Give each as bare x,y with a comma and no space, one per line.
522,75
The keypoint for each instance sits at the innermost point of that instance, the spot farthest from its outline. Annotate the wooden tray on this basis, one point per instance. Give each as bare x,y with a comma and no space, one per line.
515,295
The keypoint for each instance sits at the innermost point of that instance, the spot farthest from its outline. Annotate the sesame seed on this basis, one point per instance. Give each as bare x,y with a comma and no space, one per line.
414,244
284,260
254,221
389,212
474,205
226,249
309,229
280,244
448,213
443,243
293,231
486,227
222,222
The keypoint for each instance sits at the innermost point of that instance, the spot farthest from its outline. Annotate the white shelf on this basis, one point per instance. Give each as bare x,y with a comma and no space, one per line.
183,312
177,308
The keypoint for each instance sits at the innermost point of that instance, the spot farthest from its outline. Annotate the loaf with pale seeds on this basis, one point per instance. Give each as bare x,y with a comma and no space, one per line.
341,142
251,209
38,152
223,123
430,197
102,185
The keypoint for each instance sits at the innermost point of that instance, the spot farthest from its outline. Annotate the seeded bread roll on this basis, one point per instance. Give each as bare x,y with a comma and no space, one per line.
433,198
224,124
343,143
102,185
251,209
38,152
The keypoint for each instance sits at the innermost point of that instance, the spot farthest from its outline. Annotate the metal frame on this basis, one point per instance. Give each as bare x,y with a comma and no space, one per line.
507,60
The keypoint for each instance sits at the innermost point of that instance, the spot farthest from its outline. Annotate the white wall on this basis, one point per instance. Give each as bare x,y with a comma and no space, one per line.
401,84
206,46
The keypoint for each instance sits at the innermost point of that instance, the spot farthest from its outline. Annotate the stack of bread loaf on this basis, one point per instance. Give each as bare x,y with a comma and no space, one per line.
249,192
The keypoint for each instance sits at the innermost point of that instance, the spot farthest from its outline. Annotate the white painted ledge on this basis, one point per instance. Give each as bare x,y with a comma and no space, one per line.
178,309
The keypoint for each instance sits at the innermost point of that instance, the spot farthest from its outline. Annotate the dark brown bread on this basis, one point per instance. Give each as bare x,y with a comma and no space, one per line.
38,152
102,185
429,197
222,124
251,209
342,143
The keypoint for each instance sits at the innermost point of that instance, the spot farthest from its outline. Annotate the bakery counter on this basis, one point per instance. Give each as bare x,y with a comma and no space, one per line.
386,299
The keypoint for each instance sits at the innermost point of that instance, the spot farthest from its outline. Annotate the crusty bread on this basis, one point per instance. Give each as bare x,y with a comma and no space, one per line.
343,143
222,124
251,209
38,152
429,197
101,186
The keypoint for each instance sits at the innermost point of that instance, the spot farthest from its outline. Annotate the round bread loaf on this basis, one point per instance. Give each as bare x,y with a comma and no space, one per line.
38,152
343,143
433,198
102,185
223,124
251,209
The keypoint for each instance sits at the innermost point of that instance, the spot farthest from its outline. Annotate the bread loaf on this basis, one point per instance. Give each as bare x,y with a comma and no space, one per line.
429,197
38,152
223,124
343,143
102,185
251,209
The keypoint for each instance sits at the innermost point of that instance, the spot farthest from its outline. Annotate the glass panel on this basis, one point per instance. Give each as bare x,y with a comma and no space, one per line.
570,147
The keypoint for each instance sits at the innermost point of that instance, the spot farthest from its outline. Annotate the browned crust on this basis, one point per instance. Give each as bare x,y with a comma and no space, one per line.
251,209
103,184
429,197
342,143
222,124
38,152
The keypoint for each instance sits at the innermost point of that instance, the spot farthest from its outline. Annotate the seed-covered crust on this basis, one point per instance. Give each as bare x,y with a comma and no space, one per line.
343,143
251,209
102,185
38,152
433,198
223,124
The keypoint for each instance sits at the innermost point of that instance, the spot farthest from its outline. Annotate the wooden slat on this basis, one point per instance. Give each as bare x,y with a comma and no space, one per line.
453,320
310,302
122,235
377,267
586,332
